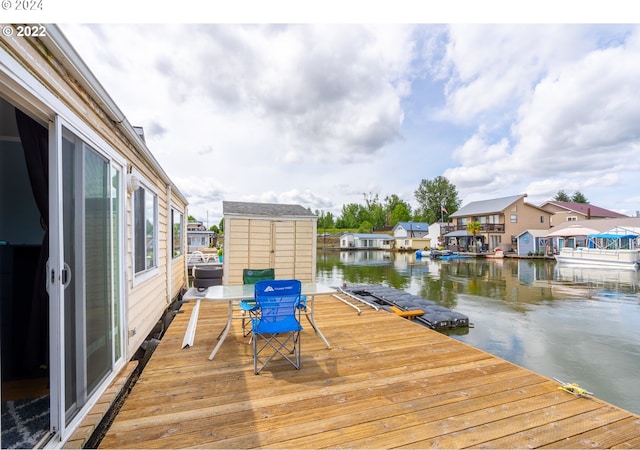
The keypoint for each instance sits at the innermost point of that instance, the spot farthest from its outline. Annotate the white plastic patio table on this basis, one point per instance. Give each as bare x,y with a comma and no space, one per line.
238,292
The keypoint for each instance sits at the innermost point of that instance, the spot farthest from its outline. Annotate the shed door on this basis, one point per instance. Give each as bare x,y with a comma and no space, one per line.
283,241
294,249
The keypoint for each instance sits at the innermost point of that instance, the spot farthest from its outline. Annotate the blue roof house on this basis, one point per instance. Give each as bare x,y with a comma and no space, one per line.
410,229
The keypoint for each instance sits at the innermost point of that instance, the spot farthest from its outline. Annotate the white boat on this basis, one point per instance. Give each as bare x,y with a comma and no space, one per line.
607,249
621,258
497,254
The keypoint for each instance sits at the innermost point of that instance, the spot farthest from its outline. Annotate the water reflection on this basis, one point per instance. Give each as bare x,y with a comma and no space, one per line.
576,324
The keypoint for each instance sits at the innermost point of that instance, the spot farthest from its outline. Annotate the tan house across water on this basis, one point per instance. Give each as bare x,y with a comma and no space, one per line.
573,212
501,221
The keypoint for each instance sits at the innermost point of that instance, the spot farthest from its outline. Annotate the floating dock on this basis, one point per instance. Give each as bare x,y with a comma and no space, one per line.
385,383
433,315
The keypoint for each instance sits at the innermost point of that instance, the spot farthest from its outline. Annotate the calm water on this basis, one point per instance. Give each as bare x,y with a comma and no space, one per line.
575,324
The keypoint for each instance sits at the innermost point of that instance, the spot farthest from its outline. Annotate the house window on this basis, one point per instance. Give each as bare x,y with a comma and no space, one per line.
572,218
145,213
514,218
541,219
177,220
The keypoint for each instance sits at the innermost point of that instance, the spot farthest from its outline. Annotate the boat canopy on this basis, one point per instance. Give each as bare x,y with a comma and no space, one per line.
613,241
613,236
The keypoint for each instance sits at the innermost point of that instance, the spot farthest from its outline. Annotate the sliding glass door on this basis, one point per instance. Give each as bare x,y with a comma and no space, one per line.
90,186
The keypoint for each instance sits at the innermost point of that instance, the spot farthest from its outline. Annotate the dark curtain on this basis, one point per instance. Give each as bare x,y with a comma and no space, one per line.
35,143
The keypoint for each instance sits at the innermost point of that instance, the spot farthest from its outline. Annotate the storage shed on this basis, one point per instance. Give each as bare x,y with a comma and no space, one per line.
268,235
532,241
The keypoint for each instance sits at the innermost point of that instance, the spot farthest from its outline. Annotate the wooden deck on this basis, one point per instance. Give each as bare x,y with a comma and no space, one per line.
386,382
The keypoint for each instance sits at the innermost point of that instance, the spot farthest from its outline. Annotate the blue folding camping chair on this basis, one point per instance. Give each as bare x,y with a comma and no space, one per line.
275,322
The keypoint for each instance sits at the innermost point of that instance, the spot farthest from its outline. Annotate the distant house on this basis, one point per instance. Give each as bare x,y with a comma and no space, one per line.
198,237
412,243
411,235
437,230
572,212
360,241
410,229
501,221
198,240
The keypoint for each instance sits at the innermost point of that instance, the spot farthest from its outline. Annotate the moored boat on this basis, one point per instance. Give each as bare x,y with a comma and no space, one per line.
497,254
620,258
604,250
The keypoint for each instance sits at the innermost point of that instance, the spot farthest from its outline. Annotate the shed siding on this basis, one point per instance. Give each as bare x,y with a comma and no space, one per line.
259,250
527,242
288,246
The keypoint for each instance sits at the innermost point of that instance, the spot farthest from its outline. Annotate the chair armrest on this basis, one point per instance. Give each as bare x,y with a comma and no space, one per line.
247,304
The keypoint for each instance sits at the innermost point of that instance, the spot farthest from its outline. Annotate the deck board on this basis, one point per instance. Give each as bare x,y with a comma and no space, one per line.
386,382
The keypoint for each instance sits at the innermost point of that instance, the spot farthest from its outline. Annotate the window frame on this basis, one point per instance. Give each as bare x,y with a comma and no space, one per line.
154,269
174,211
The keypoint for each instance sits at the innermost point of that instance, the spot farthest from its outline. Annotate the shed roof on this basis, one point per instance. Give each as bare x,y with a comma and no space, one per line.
535,233
265,209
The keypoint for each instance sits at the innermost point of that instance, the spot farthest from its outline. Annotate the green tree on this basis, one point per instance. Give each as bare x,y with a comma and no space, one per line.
562,196
474,228
578,197
365,227
433,195
352,216
373,211
400,214
221,226
214,228
325,220
396,210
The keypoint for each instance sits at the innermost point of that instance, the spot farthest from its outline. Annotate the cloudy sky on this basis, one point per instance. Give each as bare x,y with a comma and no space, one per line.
321,114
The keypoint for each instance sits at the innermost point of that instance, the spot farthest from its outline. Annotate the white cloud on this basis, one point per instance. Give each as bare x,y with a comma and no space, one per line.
569,112
321,114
